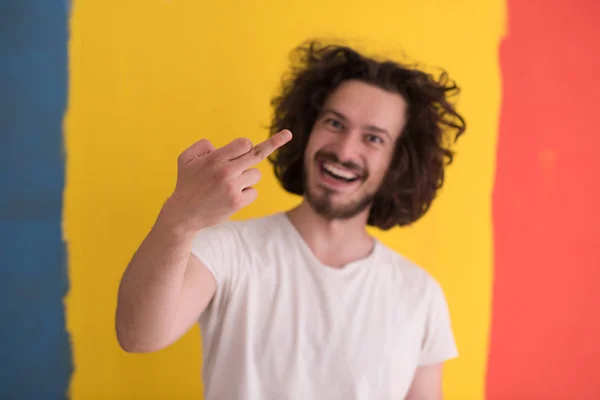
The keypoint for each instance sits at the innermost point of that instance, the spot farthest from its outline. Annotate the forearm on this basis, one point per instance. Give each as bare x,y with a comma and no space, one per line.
150,288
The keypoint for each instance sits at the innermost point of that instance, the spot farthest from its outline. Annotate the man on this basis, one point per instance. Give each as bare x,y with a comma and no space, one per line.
305,304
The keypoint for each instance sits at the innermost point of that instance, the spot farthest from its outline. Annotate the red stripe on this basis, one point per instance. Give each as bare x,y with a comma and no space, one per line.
545,341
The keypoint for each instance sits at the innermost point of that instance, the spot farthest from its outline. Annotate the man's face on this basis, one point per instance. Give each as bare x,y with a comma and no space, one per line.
350,148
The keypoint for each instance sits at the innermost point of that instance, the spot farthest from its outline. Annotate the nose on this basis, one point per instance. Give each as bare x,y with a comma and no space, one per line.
347,147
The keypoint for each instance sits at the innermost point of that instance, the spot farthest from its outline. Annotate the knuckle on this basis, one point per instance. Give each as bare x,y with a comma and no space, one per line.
206,145
182,158
247,143
235,200
244,143
230,190
198,149
257,152
224,173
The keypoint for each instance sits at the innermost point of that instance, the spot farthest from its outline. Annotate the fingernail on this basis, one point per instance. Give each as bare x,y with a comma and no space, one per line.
286,134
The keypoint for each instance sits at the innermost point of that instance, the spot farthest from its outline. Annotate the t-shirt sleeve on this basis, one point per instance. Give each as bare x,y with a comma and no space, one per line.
438,344
218,248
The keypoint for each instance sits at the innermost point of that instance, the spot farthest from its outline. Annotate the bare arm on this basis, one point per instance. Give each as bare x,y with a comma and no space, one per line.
427,383
163,291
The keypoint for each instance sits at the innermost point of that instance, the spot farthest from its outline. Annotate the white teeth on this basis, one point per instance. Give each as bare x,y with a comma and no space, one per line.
338,172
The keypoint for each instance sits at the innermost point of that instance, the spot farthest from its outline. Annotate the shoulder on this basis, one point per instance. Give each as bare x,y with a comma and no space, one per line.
253,227
232,245
251,230
413,277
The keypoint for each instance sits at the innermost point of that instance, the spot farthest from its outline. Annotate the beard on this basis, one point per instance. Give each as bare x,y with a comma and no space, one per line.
323,203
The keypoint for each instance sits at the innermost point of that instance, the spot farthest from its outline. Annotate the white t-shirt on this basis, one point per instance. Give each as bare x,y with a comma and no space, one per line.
284,326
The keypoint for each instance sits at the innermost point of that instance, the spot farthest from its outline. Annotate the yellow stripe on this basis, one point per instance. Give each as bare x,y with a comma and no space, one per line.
149,77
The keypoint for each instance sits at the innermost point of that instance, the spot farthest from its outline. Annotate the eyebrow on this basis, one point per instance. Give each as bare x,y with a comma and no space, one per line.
341,116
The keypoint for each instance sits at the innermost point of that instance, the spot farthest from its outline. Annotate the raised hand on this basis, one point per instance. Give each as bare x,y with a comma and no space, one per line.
212,184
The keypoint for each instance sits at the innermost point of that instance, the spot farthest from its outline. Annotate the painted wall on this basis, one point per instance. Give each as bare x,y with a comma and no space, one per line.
148,78
35,352
545,329
152,78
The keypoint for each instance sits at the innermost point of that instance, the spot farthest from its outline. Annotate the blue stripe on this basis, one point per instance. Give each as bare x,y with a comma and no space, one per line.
35,353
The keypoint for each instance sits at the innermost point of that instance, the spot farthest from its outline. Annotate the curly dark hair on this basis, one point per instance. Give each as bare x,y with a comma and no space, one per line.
422,150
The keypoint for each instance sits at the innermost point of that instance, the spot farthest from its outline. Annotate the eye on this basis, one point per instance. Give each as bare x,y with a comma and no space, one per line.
334,123
374,139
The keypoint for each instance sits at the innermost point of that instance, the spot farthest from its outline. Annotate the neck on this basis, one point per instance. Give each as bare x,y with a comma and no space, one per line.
334,242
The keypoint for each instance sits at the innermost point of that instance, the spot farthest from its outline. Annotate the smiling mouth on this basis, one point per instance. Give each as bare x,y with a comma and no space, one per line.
338,173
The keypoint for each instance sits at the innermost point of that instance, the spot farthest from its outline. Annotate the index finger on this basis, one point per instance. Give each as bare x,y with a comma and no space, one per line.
263,150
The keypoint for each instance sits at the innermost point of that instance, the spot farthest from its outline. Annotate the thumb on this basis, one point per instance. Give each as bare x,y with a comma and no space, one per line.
197,150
